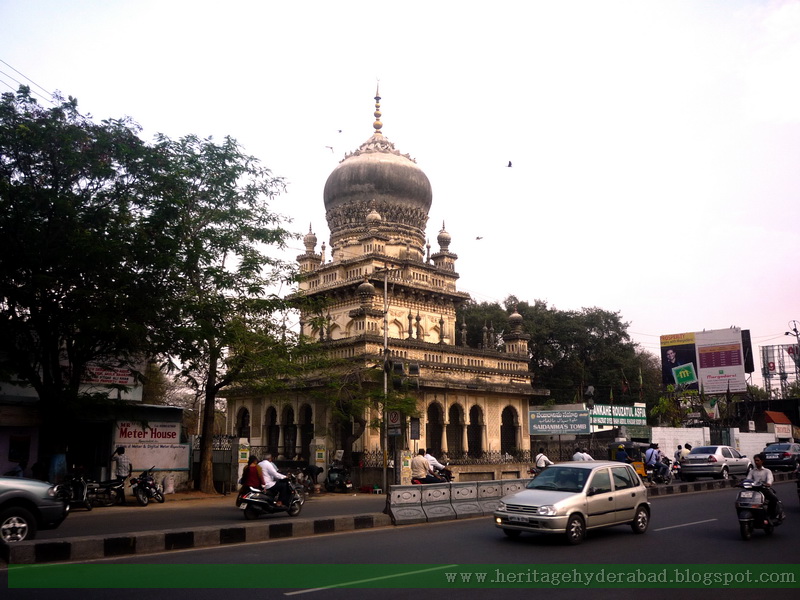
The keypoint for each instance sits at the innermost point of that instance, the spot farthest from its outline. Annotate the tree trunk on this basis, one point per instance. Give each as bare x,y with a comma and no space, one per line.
207,439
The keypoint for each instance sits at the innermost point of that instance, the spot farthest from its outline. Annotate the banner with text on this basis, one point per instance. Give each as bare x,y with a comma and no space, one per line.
557,422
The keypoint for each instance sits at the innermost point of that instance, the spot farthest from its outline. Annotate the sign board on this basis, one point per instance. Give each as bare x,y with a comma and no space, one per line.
604,414
710,360
414,428
557,422
157,443
395,423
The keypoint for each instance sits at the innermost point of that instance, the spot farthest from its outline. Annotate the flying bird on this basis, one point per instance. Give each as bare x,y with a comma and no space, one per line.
509,163
479,237
331,148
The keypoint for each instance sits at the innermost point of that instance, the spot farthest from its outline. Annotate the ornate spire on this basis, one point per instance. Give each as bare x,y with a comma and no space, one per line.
377,124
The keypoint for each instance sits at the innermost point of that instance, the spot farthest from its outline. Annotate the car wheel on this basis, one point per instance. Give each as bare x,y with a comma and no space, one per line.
724,475
576,530
641,520
17,525
746,529
512,533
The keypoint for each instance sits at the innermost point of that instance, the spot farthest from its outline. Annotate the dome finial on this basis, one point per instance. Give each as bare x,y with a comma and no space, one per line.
377,124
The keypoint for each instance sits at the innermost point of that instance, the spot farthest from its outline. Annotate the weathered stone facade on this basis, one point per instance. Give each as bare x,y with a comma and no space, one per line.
389,298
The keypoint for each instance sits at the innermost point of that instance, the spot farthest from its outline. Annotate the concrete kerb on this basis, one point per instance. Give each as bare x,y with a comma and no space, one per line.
148,542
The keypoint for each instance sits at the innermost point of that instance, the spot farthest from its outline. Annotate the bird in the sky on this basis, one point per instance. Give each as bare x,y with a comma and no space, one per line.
509,163
331,148
479,237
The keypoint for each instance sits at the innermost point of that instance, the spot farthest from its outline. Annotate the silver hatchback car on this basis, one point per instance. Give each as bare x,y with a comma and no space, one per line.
574,497
719,462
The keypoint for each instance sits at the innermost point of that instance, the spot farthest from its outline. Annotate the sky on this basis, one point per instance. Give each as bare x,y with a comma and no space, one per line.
655,146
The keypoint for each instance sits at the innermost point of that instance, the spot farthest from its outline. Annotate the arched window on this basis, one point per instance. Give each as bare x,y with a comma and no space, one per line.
433,434
243,423
475,432
509,428
455,431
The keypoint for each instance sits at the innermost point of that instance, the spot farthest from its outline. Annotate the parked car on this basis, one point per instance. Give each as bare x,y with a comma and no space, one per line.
719,462
573,498
782,456
27,505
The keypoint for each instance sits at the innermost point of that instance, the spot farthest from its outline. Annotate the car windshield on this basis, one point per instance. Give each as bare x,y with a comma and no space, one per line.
560,479
776,448
704,450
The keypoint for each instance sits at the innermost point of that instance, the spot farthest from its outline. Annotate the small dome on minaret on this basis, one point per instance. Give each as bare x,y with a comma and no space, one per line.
310,240
444,239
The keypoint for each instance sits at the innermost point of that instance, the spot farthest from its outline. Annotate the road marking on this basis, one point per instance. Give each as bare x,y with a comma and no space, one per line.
686,524
346,583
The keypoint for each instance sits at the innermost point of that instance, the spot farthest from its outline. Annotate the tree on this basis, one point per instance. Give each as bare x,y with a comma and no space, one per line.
570,350
73,289
219,327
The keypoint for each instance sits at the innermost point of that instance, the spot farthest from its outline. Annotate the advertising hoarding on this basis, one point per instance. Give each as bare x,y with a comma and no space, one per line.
712,361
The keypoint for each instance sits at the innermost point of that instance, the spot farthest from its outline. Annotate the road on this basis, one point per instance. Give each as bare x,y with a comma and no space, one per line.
188,513
696,529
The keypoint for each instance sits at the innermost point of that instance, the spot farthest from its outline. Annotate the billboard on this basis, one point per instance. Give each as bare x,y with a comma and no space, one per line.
711,361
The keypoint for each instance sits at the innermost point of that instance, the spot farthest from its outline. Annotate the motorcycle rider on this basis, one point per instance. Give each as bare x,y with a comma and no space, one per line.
687,448
761,474
653,458
436,465
275,481
421,469
251,477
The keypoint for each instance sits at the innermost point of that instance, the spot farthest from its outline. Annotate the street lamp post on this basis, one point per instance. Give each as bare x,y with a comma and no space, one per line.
793,330
385,377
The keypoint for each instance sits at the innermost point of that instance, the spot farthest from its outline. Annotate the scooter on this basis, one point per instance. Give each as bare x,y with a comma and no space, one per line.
676,470
256,502
338,479
752,509
145,488
76,492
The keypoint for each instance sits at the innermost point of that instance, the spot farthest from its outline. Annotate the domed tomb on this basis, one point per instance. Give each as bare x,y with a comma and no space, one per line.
378,176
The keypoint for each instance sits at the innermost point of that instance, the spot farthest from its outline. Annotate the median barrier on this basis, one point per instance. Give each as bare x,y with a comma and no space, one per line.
405,504
489,494
464,500
436,502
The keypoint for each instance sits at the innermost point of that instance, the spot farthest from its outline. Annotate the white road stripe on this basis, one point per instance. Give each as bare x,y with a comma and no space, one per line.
346,583
686,524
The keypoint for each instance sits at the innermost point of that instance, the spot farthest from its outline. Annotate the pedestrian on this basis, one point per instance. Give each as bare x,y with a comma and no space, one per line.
124,469
578,456
541,461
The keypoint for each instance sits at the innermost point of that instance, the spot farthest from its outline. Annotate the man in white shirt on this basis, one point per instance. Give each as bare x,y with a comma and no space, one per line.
761,474
274,480
435,464
541,461
578,455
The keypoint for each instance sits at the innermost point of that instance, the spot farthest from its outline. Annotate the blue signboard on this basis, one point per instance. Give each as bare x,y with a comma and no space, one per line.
557,422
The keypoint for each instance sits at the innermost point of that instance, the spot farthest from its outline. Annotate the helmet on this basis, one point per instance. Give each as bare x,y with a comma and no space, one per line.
621,447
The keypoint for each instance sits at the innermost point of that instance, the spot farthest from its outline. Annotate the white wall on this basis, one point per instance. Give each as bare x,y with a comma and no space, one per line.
668,439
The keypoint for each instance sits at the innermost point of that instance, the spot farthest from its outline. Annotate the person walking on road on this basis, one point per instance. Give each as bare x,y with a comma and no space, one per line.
124,469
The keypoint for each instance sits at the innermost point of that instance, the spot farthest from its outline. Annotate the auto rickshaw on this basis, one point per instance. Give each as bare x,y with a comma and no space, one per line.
635,451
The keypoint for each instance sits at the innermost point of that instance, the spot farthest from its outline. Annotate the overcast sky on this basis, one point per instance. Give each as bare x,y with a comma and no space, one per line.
655,145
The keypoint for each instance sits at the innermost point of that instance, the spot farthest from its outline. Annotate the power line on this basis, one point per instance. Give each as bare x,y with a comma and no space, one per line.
48,98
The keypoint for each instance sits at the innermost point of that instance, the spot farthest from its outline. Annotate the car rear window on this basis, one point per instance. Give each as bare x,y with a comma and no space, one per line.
704,450
777,448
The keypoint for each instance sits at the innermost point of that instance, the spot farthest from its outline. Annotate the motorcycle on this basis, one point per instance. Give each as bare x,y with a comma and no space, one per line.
656,478
145,488
256,502
676,470
752,509
104,493
338,479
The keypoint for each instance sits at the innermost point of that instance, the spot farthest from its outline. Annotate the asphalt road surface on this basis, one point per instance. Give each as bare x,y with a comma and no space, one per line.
697,529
